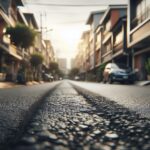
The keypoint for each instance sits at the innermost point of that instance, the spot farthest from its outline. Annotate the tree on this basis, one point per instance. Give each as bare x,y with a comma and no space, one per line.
55,70
99,72
36,59
53,66
21,35
73,72
60,73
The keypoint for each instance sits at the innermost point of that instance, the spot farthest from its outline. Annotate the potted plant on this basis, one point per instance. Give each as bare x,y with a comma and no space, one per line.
147,67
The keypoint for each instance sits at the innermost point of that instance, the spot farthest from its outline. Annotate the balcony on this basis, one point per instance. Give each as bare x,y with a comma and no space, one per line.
17,53
107,57
139,36
118,47
107,48
12,50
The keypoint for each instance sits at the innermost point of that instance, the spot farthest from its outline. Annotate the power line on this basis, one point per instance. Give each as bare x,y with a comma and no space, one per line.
72,22
67,5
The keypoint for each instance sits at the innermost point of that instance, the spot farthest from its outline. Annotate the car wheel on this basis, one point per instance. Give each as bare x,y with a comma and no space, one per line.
110,80
122,82
131,82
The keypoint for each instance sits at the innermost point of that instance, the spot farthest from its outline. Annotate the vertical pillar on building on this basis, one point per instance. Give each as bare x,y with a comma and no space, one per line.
0,61
132,55
128,59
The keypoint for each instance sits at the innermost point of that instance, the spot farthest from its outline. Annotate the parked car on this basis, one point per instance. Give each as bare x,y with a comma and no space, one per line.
47,77
119,73
76,78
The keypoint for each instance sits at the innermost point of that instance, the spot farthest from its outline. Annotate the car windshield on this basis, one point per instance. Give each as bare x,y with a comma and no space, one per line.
120,66
123,66
114,66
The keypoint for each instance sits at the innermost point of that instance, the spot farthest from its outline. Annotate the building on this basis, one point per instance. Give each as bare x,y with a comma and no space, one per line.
62,63
11,10
105,42
114,34
13,59
82,59
31,22
50,52
139,34
93,21
86,45
10,55
72,63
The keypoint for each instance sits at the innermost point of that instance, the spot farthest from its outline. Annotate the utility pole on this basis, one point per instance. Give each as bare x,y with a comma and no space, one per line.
41,31
41,39
41,26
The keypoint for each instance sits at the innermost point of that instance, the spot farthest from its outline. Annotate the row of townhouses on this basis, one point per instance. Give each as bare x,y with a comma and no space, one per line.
12,56
119,34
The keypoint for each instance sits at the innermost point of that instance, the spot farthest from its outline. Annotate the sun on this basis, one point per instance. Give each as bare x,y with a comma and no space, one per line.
70,37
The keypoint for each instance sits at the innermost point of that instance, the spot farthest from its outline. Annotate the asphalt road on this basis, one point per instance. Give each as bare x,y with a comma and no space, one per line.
55,115
136,98
71,120
16,108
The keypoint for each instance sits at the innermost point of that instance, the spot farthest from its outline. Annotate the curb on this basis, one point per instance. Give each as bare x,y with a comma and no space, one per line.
5,85
142,83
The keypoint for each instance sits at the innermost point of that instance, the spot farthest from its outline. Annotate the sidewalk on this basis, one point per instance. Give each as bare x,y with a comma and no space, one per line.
4,85
142,83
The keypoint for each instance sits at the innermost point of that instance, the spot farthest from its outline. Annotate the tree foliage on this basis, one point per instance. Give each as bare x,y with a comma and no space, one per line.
73,72
21,35
99,72
60,73
53,66
36,59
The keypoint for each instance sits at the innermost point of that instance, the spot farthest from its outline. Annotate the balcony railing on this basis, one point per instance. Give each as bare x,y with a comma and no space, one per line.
106,49
107,57
118,47
13,50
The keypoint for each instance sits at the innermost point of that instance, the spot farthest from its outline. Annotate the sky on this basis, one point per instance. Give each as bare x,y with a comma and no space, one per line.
65,20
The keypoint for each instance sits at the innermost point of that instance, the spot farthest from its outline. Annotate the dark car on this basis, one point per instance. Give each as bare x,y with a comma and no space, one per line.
47,77
118,73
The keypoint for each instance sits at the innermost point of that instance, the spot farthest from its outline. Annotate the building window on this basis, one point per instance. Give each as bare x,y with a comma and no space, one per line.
142,12
107,47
